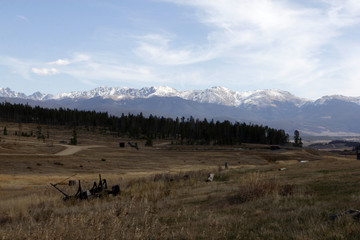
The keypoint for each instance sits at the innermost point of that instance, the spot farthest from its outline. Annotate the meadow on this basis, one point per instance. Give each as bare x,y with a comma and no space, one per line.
164,192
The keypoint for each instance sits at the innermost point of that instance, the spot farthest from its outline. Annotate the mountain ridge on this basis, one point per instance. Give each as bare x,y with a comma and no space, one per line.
219,95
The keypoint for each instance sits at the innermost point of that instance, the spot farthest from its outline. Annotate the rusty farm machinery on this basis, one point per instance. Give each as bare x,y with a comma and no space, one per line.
98,190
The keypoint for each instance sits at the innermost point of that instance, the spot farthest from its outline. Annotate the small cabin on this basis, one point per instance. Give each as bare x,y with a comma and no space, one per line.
122,144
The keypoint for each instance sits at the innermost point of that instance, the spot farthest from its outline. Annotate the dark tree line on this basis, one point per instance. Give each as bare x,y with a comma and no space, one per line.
182,130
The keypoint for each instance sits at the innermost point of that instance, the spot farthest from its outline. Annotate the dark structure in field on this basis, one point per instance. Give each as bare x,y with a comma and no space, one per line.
134,145
98,190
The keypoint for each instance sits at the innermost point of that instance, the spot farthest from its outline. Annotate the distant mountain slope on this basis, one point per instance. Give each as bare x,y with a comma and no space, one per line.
329,115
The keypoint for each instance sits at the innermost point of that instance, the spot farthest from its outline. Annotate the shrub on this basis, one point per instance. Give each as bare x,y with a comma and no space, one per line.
286,190
149,142
252,192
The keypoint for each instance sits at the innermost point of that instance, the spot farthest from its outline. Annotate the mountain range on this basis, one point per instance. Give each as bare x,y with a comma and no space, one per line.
334,115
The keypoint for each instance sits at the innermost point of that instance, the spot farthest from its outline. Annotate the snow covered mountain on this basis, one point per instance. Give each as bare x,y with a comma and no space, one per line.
217,95
329,115
8,93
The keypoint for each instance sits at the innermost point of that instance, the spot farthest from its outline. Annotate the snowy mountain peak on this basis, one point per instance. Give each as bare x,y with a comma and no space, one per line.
40,96
324,99
7,92
165,91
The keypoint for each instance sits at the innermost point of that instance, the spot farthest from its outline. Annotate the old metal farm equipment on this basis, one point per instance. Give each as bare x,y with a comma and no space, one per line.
98,190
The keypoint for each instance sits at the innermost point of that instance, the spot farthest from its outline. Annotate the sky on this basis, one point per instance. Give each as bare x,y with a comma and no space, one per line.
310,48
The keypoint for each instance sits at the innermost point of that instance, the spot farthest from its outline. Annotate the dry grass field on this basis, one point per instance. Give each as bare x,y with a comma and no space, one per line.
250,200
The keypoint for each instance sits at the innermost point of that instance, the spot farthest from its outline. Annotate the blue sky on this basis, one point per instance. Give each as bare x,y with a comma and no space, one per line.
310,48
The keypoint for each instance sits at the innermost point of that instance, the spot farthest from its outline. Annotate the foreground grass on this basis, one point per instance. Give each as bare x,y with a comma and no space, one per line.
253,203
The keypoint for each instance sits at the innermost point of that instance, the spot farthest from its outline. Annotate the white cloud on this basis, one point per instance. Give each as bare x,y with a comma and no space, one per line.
16,66
244,29
45,71
156,49
88,68
60,62
106,67
22,17
253,26
81,57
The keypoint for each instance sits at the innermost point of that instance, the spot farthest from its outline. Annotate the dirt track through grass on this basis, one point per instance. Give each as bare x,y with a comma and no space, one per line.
70,150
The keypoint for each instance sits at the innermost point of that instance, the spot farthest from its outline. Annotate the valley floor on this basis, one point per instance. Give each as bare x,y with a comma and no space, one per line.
250,200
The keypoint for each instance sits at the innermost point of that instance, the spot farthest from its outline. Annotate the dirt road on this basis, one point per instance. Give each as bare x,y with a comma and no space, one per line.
69,150
72,149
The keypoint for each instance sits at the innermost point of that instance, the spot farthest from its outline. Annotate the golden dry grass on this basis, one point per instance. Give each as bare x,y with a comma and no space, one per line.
252,200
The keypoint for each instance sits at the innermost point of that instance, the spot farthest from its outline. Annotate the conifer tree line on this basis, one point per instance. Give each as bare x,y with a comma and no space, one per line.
182,130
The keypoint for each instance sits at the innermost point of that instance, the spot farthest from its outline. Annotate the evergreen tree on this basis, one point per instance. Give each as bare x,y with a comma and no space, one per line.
73,140
38,132
297,139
